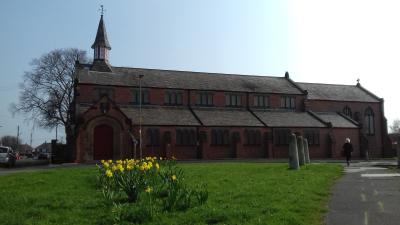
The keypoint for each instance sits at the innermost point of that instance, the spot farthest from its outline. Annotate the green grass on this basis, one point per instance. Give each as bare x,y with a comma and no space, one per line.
239,193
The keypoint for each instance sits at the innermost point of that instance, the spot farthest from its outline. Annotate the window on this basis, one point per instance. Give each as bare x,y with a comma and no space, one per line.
152,137
369,126
281,136
136,96
357,117
288,102
220,137
261,101
312,136
186,136
347,111
233,99
173,98
204,99
252,137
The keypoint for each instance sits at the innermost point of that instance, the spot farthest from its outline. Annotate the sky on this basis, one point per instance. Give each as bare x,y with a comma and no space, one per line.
317,41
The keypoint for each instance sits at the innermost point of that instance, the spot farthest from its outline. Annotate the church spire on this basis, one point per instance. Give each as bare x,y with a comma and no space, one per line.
101,46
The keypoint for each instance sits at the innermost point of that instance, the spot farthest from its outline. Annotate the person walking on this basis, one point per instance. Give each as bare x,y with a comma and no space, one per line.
347,150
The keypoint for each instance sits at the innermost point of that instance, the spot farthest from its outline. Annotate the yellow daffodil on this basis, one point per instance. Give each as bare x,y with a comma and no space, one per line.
106,165
173,177
102,161
120,168
157,166
114,168
110,161
129,167
148,189
109,173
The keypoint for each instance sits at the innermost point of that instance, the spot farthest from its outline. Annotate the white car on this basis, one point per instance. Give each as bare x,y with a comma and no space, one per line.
7,156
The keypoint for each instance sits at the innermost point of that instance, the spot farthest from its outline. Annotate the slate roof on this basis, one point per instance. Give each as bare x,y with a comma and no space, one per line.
188,80
336,119
226,117
101,36
288,119
161,115
337,92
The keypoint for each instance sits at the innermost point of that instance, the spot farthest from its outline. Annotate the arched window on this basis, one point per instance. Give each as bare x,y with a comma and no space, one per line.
369,125
347,111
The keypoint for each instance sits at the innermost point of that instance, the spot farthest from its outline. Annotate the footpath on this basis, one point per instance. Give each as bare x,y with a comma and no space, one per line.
367,194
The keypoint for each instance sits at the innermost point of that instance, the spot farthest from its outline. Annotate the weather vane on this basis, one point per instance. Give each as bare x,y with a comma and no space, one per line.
102,9
358,80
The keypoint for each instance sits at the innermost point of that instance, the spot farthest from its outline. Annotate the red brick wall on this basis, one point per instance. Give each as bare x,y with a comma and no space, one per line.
374,141
316,151
275,101
340,134
240,150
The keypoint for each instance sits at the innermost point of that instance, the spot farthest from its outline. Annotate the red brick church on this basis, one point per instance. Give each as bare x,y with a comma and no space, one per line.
125,112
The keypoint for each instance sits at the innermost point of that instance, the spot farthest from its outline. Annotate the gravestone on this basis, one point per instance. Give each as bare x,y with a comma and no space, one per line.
293,153
300,148
306,150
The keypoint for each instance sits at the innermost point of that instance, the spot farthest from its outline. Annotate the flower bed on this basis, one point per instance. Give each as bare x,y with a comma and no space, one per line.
136,190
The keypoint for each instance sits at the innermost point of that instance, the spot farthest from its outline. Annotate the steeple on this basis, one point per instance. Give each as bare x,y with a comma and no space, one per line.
101,46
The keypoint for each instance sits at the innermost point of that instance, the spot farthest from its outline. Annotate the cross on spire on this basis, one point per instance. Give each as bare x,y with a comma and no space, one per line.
101,9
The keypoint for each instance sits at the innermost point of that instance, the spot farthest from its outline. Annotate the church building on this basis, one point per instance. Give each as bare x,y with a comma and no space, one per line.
122,112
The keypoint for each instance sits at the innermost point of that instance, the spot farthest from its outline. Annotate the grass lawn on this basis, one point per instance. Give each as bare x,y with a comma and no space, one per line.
239,193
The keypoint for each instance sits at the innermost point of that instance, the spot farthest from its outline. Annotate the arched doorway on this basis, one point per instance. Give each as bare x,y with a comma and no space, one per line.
103,142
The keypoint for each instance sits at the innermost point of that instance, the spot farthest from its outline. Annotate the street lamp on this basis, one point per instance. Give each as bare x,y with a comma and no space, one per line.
140,115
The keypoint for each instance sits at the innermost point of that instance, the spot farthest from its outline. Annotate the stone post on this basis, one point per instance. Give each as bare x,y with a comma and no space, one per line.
293,154
300,148
306,150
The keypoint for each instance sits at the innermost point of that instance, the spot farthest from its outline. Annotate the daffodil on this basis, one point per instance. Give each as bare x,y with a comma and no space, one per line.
120,168
106,165
173,177
109,173
114,168
157,166
148,189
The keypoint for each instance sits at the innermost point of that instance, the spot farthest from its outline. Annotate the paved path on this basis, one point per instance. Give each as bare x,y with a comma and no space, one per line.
366,195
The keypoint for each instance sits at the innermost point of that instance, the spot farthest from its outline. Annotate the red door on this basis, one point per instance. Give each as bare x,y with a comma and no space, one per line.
103,142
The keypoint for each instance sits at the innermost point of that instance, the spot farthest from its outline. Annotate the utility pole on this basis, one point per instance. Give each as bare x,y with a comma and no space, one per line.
1,143
17,139
140,116
30,143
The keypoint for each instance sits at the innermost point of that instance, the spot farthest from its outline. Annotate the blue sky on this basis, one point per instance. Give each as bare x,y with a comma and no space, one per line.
316,41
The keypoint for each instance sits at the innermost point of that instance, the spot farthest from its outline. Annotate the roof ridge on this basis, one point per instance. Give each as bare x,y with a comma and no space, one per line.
210,73
349,85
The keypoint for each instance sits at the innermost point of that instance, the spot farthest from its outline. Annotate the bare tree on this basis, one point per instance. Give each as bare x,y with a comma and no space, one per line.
47,90
10,141
395,127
